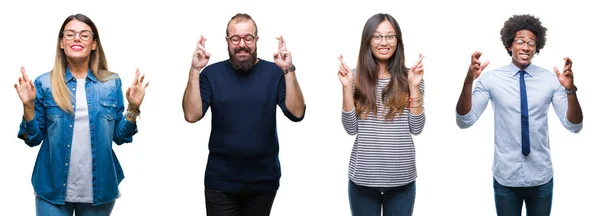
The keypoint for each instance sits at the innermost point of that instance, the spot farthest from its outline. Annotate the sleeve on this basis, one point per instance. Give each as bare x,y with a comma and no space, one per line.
124,129
560,104
350,122
33,132
479,101
281,102
416,123
205,93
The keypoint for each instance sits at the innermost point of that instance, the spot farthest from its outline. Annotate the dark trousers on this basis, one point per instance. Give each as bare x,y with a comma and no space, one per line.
509,200
219,203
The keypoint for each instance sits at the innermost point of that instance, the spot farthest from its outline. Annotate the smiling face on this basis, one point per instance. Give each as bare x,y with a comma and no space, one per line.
243,54
523,48
383,41
73,41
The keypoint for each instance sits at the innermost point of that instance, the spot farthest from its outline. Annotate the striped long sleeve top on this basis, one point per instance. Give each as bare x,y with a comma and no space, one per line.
383,154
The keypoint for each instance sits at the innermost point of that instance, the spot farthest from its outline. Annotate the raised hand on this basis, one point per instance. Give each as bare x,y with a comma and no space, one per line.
283,57
344,73
135,93
201,57
476,67
415,74
25,88
566,77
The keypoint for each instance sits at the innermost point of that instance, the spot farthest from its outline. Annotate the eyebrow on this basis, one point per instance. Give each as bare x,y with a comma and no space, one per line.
525,37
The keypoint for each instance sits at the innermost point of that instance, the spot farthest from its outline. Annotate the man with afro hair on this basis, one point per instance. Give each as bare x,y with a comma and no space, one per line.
521,94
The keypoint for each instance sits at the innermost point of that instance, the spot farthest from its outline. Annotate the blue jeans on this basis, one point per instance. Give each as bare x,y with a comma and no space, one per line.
368,201
45,208
219,203
509,200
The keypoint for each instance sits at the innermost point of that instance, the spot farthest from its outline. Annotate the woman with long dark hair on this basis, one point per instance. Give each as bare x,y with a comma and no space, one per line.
383,106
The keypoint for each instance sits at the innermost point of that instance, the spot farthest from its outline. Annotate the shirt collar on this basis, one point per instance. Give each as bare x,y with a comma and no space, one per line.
69,76
530,69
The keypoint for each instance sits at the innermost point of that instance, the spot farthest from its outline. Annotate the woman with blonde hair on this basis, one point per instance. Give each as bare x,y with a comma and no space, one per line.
383,104
76,112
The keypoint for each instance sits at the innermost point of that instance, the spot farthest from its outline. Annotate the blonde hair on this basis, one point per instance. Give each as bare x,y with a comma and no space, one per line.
97,63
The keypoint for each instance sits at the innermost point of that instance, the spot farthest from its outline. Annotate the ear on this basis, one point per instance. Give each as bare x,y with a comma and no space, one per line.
62,43
94,45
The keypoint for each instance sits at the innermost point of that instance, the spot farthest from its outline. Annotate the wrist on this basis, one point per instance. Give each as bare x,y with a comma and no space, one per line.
571,91
28,106
292,68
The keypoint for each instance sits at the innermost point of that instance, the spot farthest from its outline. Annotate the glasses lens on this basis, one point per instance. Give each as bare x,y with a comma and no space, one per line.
85,35
248,39
69,34
235,39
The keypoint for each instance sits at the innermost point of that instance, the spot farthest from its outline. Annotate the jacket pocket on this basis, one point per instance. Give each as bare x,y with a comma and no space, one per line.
53,111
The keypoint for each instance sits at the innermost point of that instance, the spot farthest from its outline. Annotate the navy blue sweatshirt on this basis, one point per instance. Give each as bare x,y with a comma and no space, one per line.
243,142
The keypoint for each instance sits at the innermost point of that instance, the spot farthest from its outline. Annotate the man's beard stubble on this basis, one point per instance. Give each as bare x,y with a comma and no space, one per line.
244,65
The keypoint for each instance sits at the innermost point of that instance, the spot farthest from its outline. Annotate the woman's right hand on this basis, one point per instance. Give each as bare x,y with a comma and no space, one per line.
25,89
345,74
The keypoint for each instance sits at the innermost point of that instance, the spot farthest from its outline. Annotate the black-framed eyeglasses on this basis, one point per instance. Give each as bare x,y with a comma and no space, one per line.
83,34
389,38
521,42
236,39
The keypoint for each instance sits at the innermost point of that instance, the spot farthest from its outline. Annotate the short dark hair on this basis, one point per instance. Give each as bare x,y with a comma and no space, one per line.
241,17
523,22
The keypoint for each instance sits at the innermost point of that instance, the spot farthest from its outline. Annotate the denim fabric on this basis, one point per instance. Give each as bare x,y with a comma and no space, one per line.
53,128
44,208
509,200
368,201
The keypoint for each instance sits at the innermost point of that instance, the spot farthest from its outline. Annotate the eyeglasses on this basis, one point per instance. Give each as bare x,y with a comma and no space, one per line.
248,39
521,42
83,35
388,38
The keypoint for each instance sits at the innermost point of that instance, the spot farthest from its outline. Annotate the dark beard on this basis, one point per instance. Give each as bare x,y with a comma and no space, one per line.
245,65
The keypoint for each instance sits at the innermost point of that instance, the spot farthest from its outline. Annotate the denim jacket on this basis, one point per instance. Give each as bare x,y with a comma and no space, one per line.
53,128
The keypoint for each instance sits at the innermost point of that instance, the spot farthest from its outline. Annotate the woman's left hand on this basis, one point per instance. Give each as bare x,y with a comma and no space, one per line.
135,93
415,74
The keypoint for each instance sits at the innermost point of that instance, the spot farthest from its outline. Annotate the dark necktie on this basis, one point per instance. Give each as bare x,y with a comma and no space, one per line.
524,116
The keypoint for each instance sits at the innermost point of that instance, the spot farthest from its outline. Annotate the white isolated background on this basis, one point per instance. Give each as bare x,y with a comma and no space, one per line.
164,166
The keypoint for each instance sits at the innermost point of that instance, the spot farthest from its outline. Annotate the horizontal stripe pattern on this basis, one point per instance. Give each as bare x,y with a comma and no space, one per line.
383,154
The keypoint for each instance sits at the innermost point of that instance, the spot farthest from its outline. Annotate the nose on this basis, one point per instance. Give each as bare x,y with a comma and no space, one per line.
77,37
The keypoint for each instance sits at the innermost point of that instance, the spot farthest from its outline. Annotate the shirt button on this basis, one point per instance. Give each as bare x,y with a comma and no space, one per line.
73,89
64,184
68,146
70,126
66,164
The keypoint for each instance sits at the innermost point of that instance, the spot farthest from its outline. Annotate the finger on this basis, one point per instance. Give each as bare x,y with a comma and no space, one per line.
147,83
475,56
24,74
128,91
137,76
556,71
485,64
202,41
207,55
31,86
568,61
275,55
142,78
282,44
419,61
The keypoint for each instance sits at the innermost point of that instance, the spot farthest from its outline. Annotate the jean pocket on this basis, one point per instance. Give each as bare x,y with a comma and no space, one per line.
109,107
